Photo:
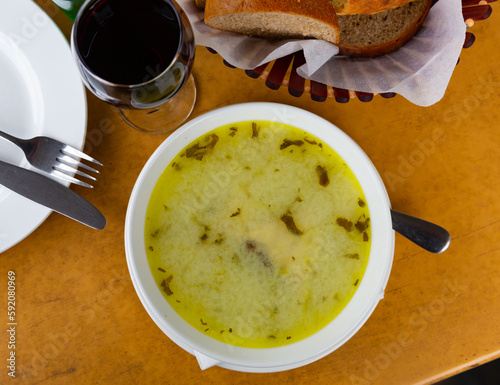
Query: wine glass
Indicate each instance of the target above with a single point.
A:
(138, 55)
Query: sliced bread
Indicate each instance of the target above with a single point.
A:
(383, 32)
(275, 19)
(350, 7)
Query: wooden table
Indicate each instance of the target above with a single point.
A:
(81, 322)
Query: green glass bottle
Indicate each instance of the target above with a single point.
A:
(69, 7)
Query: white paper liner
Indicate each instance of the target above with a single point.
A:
(204, 361)
(420, 71)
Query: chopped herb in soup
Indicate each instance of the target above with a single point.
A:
(252, 243)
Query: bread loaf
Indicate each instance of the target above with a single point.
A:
(360, 28)
(383, 32)
(281, 19)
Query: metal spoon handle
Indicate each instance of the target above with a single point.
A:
(427, 235)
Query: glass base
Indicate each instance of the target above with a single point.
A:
(166, 117)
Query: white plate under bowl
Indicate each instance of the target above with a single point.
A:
(41, 94)
(209, 351)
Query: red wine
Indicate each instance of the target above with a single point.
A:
(128, 41)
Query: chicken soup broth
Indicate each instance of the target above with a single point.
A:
(258, 234)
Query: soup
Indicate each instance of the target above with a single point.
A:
(258, 234)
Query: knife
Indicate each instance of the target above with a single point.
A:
(51, 194)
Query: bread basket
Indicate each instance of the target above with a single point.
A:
(282, 72)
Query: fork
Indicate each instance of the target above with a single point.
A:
(55, 158)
